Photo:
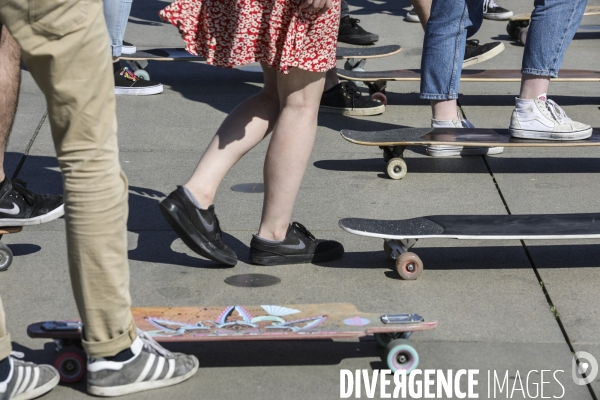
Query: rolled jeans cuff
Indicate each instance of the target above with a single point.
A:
(116, 50)
(431, 96)
(111, 347)
(5, 346)
(540, 72)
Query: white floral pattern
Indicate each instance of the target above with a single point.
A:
(236, 32)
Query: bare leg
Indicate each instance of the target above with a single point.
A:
(444, 109)
(290, 148)
(10, 80)
(532, 86)
(243, 129)
(423, 9)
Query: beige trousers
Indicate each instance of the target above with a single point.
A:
(65, 47)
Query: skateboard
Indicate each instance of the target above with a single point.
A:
(356, 57)
(261, 322)
(519, 24)
(393, 142)
(400, 235)
(376, 80)
(6, 255)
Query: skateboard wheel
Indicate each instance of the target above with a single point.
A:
(142, 74)
(383, 339)
(6, 257)
(396, 168)
(409, 266)
(514, 27)
(380, 97)
(400, 355)
(71, 364)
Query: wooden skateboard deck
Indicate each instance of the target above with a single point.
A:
(468, 75)
(393, 142)
(589, 10)
(261, 322)
(401, 235)
(6, 255)
(517, 24)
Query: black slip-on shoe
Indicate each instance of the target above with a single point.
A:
(298, 247)
(352, 33)
(199, 229)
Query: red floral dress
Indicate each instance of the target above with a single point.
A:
(237, 32)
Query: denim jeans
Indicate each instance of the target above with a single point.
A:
(553, 25)
(345, 9)
(116, 14)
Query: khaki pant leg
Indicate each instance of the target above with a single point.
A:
(65, 47)
(5, 346)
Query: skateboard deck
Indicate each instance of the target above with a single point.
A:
(6, 255)
(468, 75)
(518, 23)
(356, 56)
(260, 322)
(393, 142)
(401, 235)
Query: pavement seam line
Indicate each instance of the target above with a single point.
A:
(29, 145)
(553, 308)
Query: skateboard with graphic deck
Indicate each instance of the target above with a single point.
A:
(518, 25)
(400, 235)
(261, 322)
(356, 57)
(6, 255)
(393, 142)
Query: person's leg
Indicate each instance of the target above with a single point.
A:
(344, 9)
(116, 14)
(10, 80)
(349, 30)
(423, 10)
(5, 345)
(553, 25)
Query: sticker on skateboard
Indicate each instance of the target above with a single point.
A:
(356, 56)
(393, 142)
(6, 255)
(240, 322)
(400, 235)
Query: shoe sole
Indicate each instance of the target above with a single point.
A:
(331, 255)
(498, 17)
(353, 111)
(411, 18)
(185, 230)
(359, 40)
(42, 219)
(140, 91)
(140, 386)
(485, 56)
(540, 135)
(465, 151)
(37, 392)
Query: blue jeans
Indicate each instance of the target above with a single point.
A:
(116, 14)
(553, 25)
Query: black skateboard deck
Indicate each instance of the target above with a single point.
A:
(393, 142)
(401, 235)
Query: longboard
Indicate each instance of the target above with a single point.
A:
(518, 22)
(6, 255)
(241, 322)
(356, 56)
(393, 142)
(401, 235)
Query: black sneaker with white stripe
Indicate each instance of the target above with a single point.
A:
(19, 206)
(27, 380)
(491, 10)
(151, 367)
(126, 82)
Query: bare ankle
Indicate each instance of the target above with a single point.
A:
(277, 234)
(204, 197)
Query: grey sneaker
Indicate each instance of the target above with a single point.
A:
(151, 367)
(447, 151)
(27, 380)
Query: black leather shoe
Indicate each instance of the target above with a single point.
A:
(298, 247)
(199, 229)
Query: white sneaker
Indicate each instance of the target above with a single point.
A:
(541, 118)
(447, 151)
(128, 48)
(412, 15)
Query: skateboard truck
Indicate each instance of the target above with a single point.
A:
(401, 318)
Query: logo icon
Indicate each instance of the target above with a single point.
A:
(12, 211)
(584, 368)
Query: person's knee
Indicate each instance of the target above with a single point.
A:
(8, 45)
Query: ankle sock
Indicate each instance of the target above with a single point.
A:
(192, 197)
(4, 369)
(121, 356)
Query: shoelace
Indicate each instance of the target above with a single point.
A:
(557, 112)
(352, 90)
(354, 22)
(487, 4)
(127, 74)
(303, 229)
(151, 344)
(21, 187)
